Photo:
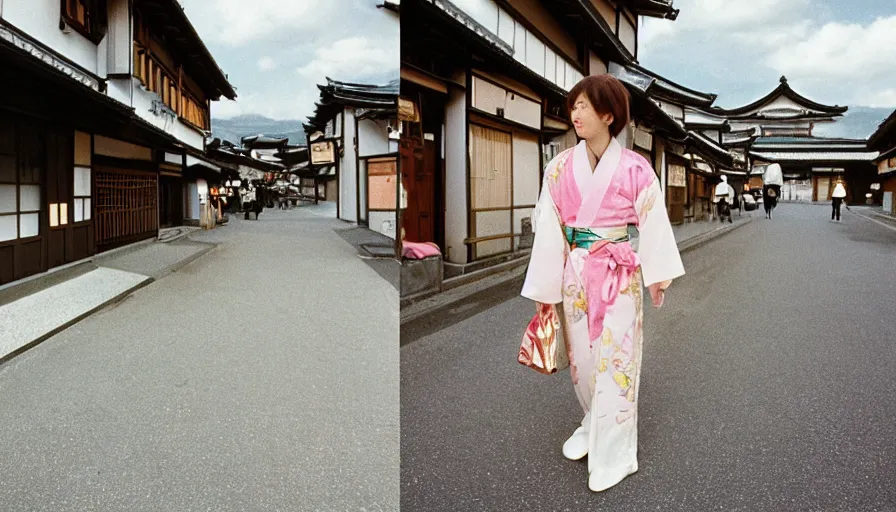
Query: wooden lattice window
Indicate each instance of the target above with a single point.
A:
(126, 205)
(194, 112)
(165, 82)
(88, 17)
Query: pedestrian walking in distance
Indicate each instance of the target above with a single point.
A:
(773, 179)
(582, 258)
(724, 198)
(838, 197)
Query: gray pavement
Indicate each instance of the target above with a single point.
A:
(262, 376)
(768, 385)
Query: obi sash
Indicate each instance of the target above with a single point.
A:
(609, 267)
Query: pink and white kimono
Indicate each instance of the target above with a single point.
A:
(600, 288)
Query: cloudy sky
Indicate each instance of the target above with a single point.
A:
(276, 51)
(833, 51)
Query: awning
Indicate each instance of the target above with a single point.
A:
(194, 161)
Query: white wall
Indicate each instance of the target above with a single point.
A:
(627, 33)
(783, 102)
(672, 109)
(374, 138)
(348, 184)
(526, 168)
(40, 20)
(456, 155)
(383, 222)
(528, 48)
(143, 101)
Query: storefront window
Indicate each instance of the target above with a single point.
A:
(20, 178)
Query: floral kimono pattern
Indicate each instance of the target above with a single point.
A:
(600, 287)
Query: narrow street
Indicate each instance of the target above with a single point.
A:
(262, 376)
(767, 384)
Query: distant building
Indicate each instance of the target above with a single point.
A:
(883, 140)
(353, 136)
(784, 120)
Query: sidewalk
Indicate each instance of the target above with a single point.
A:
(875, 214)
(38, 308)
(688, 235)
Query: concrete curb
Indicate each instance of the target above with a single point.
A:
(112, 301)
(703, 238)
(445, 301)
(879, 218)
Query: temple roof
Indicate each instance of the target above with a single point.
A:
(810, 143)
(581, 17)
(710, 149)
(639, 84)
(336, 95)
(392, 5)
(885, 135)
(656, 86)
(652, 8)
(783, 90)
(263, 141)
(814, 156)
(669, 90)
(802, 149)
(739, 137)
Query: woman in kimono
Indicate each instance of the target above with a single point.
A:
(582, 258)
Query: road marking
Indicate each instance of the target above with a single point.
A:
(882, 223)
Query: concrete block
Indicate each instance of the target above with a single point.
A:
(421, 276)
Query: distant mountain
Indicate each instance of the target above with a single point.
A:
(243, 126)
(856, 123)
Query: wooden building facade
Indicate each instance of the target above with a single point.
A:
(83, 168)
(883, 140)
(353, 137)
(484, 88)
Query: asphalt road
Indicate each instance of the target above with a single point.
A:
(263, 376)
(768, 384)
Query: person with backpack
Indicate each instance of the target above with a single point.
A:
(772, 179)
(724, 198)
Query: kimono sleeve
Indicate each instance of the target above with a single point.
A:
(544, 277)
(657, 249)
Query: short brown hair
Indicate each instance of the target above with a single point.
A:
(607, 95)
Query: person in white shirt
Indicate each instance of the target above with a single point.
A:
(838, 196)
(723, 198)
(772, 179)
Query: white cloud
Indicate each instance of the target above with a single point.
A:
(885, 98)
(267, 64)
(356, 56)
(277, 51)
(233, 23)
(225, 109)
(740, 43)
(841, 51)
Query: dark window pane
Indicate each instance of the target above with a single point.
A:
(7, 169)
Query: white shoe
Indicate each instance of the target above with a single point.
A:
(596, 485)
(576, 447)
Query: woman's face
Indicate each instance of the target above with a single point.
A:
(587, 121)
